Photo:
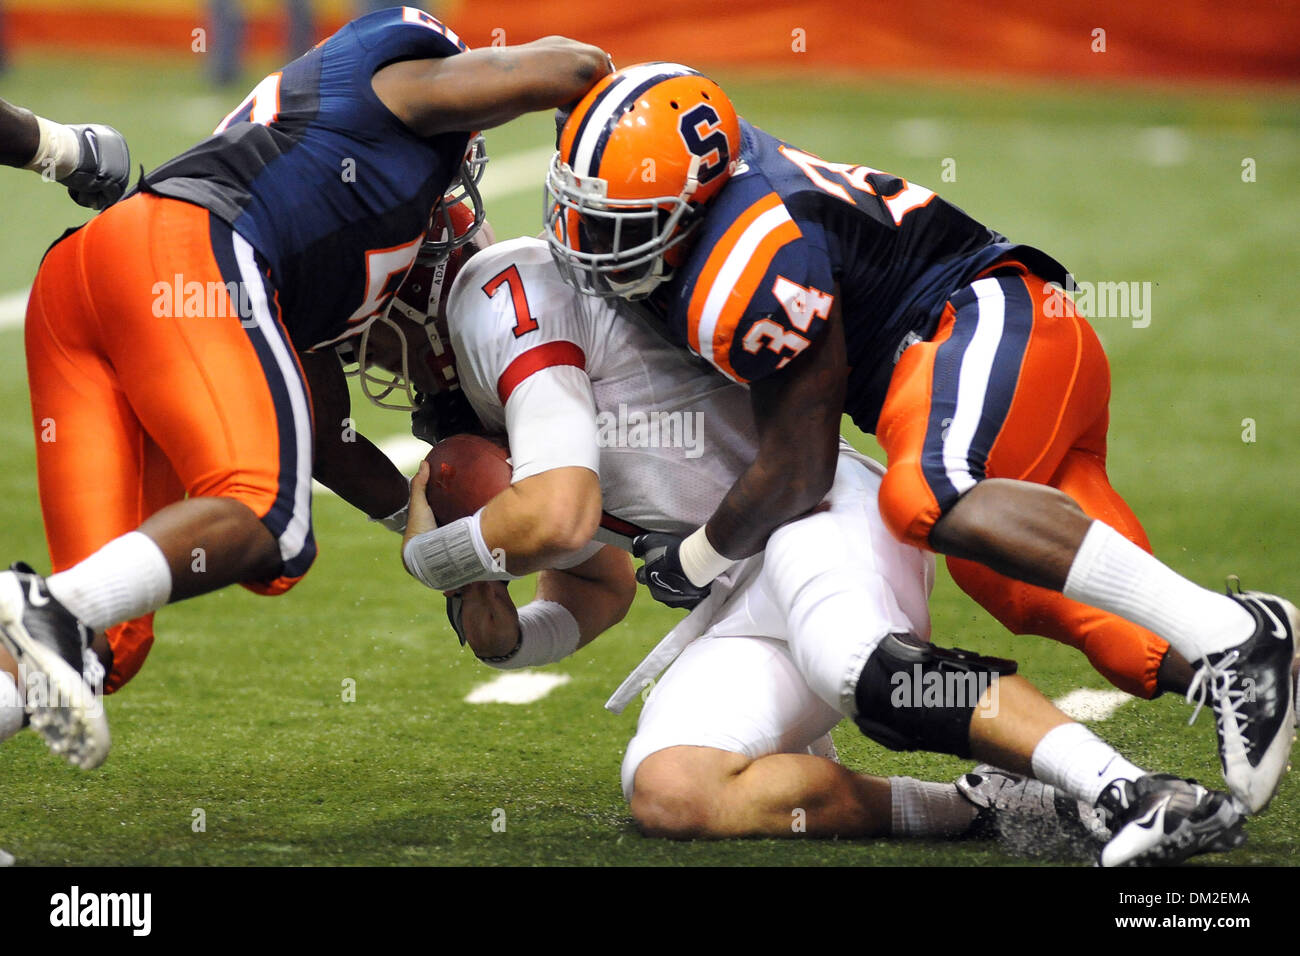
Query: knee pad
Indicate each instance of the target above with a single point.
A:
(912, 695)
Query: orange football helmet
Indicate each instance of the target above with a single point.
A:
(638, 158)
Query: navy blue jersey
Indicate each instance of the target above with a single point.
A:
(332, 190)
(787, 230)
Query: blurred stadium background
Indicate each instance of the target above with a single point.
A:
(1152, 142)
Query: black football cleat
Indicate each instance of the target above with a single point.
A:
(1253, 695)
(1030, 818)
(60, 673)
(1160, 820)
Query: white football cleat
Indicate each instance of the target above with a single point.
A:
(61, 675)
(1253, 695)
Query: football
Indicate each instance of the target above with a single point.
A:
(465, 473)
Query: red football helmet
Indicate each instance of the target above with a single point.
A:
(447, 232)
(404, 357)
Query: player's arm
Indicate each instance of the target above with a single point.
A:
(537, 520)
(531, 523)
(91, 160)
(550, 510)
(487, 87)
(572, 608)
(521, 362)
(346, 462)
(20, 135)
(797, 411)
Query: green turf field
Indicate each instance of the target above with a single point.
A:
(240, 711)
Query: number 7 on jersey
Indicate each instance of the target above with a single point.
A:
(524, 321)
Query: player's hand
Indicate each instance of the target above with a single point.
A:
(484, 616)
(104, 172)
(419, 516)
(662, 572)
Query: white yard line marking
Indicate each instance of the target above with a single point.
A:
(523, 687)
(507, 176)
(1086, 704)
(12, 309)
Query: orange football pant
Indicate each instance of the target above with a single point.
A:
(1014, 384)
(150, 382)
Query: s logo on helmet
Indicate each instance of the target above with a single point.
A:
(701, 131)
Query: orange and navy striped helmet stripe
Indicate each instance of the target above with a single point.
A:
(594, 118)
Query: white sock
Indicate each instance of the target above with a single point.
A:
(58, 150)
(1112, 573)
(124, 579)
(920, 808)
(11, 706)
(1075, 760)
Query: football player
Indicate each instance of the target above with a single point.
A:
(615, 434)
(91, 160)
(173, 420)
(830, 288)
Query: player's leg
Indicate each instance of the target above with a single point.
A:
(975, 423)
(1130, 657)
(222, 397)
(721, 750)
(123, 647)
(836, 582)
(1023, 730)
(72, 533)
(89, 470)
(914, 696)
(843, 586)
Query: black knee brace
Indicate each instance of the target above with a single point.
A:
(912, 695)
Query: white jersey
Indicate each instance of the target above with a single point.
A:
(773, 653)
(577, 381)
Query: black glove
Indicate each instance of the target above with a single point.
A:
(662, 572)
(455, 604)
(104, 172)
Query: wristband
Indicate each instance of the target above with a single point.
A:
(548, 632)
(397, 520)
(59, 149)
(453, 556)
(701, 563)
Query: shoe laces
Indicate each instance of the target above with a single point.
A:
(1218, 681)
(92, 669)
